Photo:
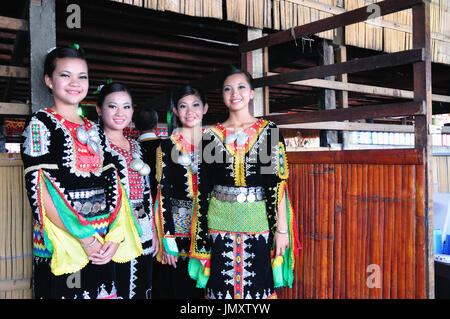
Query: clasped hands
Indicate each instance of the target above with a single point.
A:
(99, 254)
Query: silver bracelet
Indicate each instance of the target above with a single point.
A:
(91, 243)
(282, 231)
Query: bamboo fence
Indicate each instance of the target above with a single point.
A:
(361, 222)
(15, 231)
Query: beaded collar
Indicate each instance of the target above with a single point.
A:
(85, 161)
(182, 144)
(72, 127)
(134, 179)
(251, 132)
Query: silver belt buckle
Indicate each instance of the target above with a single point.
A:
(251, 198)
(241, 198)
(182, 211)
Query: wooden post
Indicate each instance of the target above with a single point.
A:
(328, 97)
(42, 38)
(341, 56)
(42, 28)
(422, 93)
(253, 63)
(266, 89)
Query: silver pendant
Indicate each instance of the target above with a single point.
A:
(82, 135)
(137, 164)
(89, 138)
(194, 168)
(251, 198)
(145, 170)
(184, 159)
(92, 147)
(241, 139)
(230, 139)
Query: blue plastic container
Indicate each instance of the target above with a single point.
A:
(437, 235)
(446, 249)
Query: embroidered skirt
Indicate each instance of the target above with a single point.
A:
(240, 251)
(91, 282)
(134, 278)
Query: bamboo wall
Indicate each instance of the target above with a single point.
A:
(15, 231)
(198, 8)
(391, 33)
(359, 212)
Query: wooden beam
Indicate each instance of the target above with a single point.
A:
(351, 126)
(356, 65)
(366, 89)
(393, 157)
(13, 24)
(17, 56)
(14, 108)
(177, 43)
(14, 71)
(343, 19)
(149, 53)
(393, 25)
(354, 113)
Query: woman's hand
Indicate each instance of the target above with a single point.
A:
(92, 249)
(281, 243)
(169, 259)
(155, 243)
(104, 254)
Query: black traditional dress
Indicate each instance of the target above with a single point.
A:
(173, 215)
(242, 179)
(82, 180)
(134, 278)
(150, 142)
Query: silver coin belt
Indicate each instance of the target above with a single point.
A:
(239, 194)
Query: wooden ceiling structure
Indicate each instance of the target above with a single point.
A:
(154, 51)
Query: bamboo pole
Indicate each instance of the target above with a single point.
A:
(381, 225)
(337, 255)
(398, 235)
(371, 223)
(359, 271)
(330, 229)
(3, 226)
(388, 229)
(344, 250)
(310, 233)
(350, 231)
(421, 229)
(410, 251)
(317, 224)
(323, 230)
